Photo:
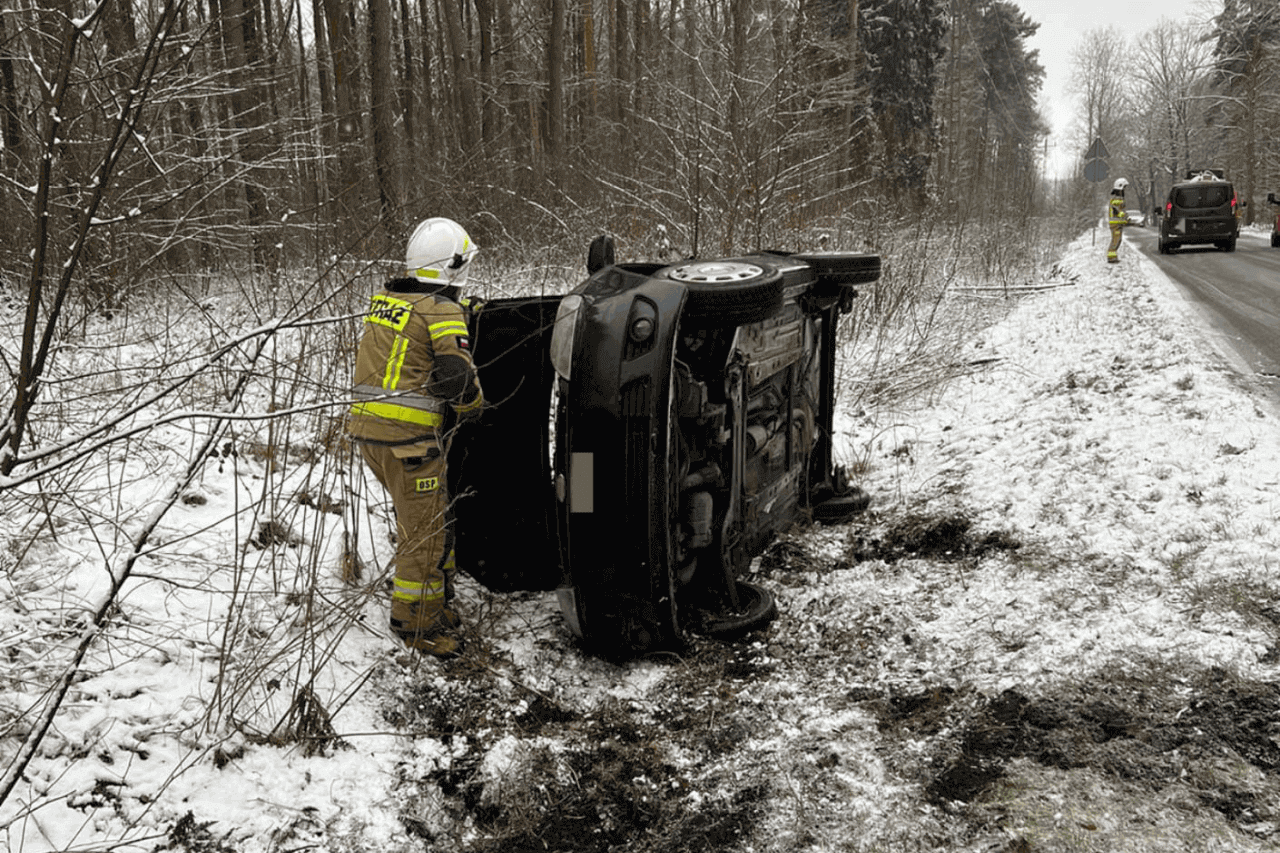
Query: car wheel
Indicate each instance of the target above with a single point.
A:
(846, 268)
(729, 293)
(1275, 241)
(1229, 245)
(838, 275)
(757, 609)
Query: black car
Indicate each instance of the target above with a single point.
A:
(1201, 209)
(650, 433)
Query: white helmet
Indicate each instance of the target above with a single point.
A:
(1120, 184)
(439, 250)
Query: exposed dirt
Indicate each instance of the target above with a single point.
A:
(584, 782)
(938, 537)
(1210, 734)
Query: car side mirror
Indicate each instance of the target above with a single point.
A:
(1271, 198)
(600, 254)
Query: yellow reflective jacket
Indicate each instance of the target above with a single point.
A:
(413, 365)
(1115, 212)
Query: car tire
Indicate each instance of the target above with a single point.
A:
(1229, 245)
(1275, 241)
(845, 268)
(729, 293)
(758, 609)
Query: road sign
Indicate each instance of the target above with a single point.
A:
(1097, 151)
(1095, 170)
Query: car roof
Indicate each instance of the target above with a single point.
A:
(1201, 183)
(1205, 177)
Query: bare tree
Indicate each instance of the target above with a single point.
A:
(1098, 81)
(1171, 73)
(250, 98)
(1247, 35)
(555, 81)
(47, 287)
(382, 91)
(345, 58)
(10, 121)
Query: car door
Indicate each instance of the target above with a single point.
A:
(500, 466)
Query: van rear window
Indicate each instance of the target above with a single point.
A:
(1208, 196)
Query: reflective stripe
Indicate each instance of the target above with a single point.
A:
(410, 591)
(373, 394)
(395, 361)
(462, 409)
(425, 273)
(447, 327)
(395, 412)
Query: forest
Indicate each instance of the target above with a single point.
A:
(182, 136)
(197, 135)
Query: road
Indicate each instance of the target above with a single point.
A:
(1238, 294)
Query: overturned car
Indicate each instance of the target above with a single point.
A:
(648, 435)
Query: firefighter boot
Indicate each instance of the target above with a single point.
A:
(424, 631)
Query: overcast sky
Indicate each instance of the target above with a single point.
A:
(1063, 24)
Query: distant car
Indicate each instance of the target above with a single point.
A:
(1136, 217)
(650, 433)
(1201, 209)
(1275, 221)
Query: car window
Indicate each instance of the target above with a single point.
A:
(1206, 196)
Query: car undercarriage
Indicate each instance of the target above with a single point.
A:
(650, 434)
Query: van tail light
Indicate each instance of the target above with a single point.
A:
(1168, 207)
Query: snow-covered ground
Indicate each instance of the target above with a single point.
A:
(1057, 630)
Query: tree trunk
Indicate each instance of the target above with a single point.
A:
(9, 116)
(427, 83)
(488, 112)
(463, 82)
(510, 95)
(622, 70)
(738, 14)
(408, 87)
(339, 17)
(587, 38)
(242, 36)
(555, 83)
(382, 106)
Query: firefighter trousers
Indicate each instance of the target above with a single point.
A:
(1113, 255)
(422, 584)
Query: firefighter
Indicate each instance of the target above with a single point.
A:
(414, 378)
(1117, 219)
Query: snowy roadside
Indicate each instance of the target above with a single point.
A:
(1094, 518)
(1108, 436)
(1058, 629)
